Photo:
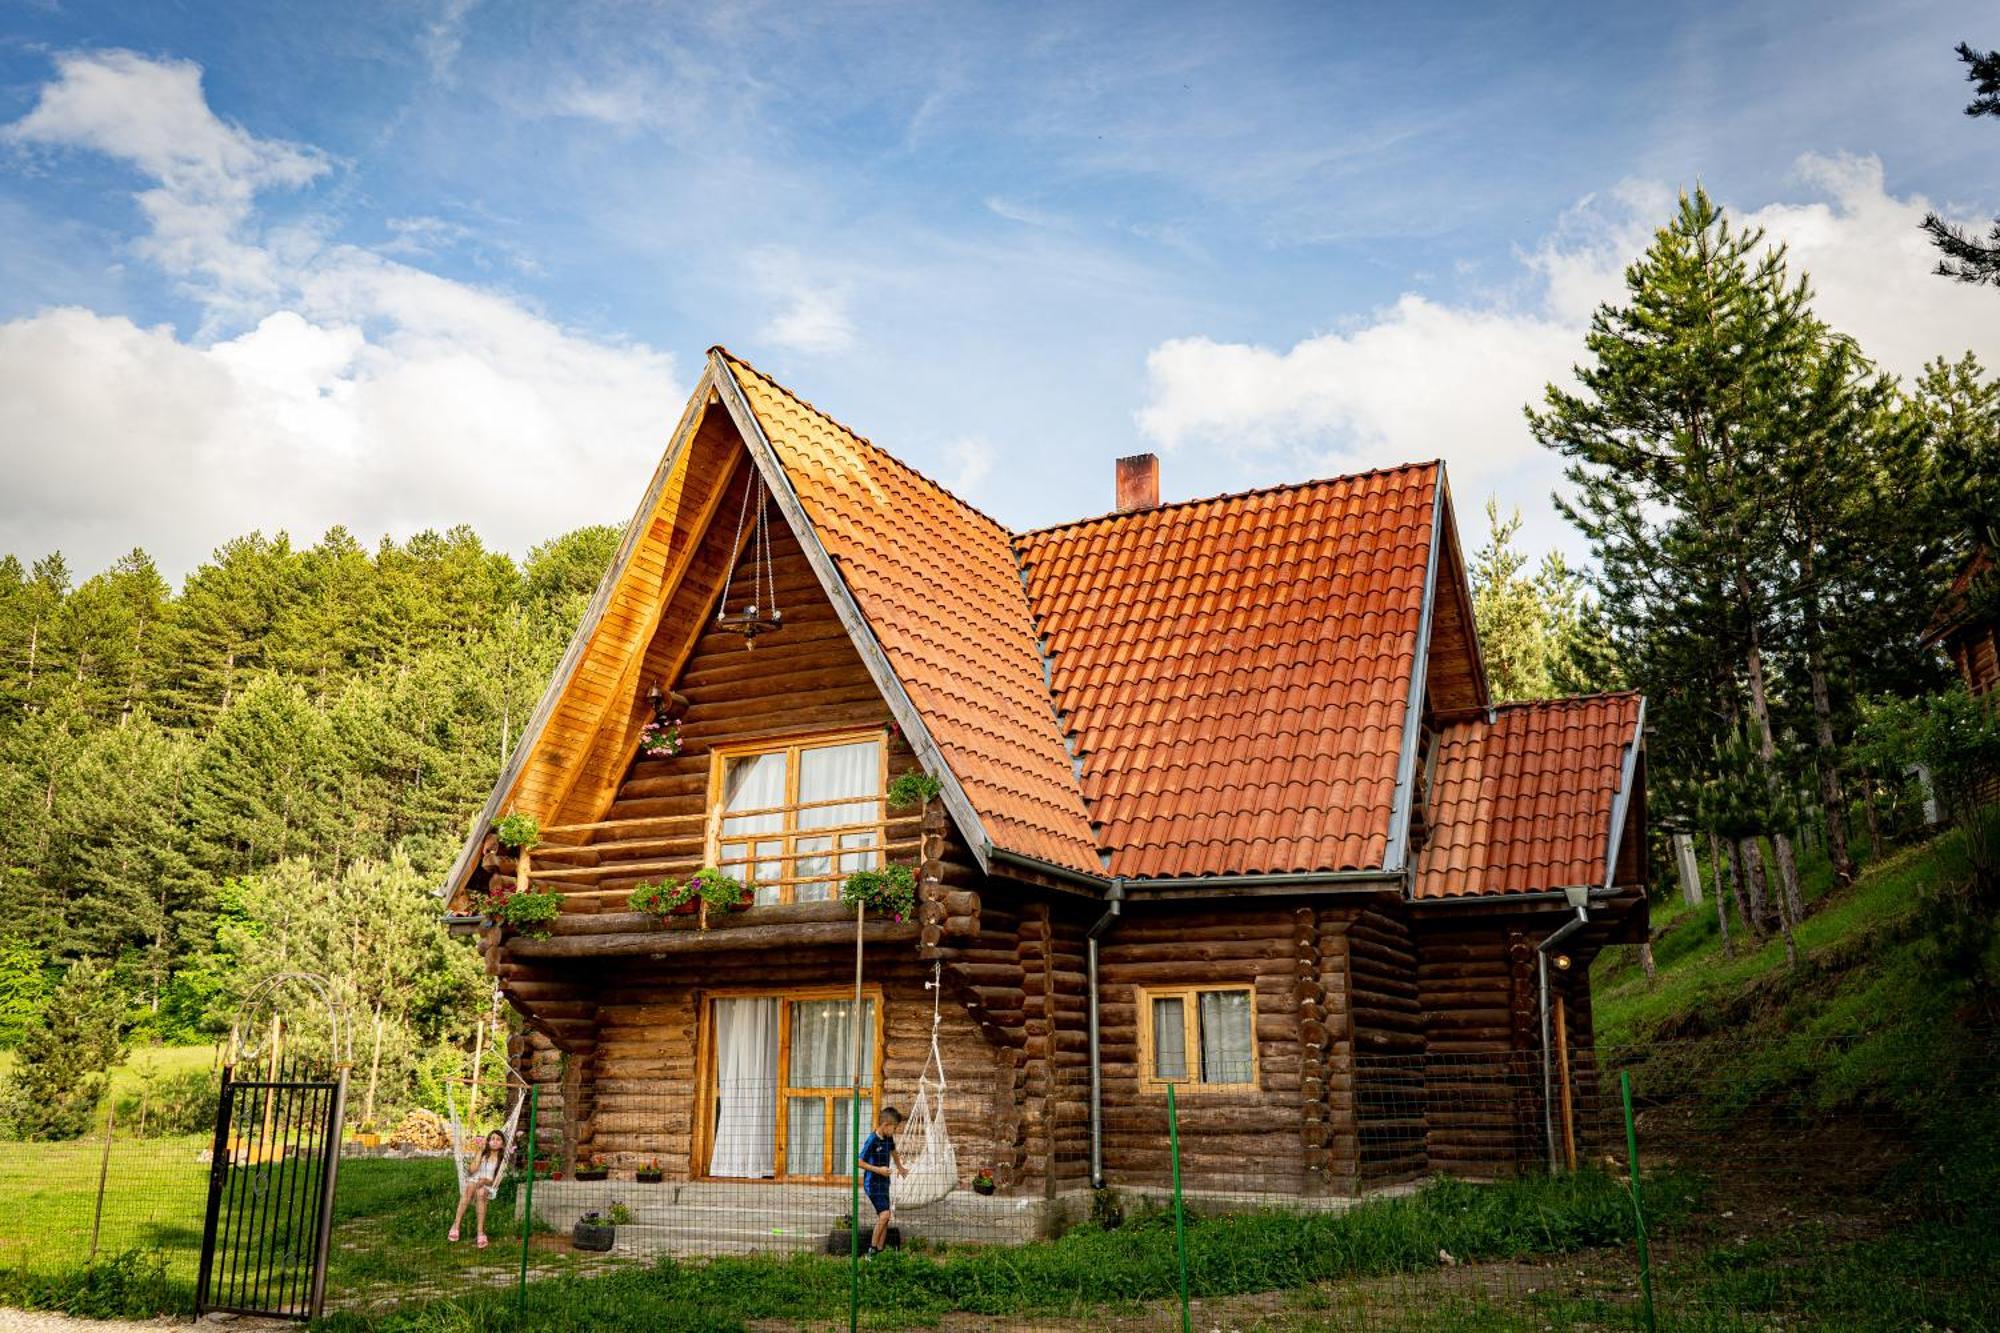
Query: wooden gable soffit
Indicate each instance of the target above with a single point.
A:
(508, 789)
(1461, 595)
(852, 618)
(1396, 857)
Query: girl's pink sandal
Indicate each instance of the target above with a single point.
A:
(482, 1242)
(451, 1234)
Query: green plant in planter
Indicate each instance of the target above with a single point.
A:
(530, 912)
(519, 832)
(915, 787)
(891, 891)
(718, 890)
(662, 898)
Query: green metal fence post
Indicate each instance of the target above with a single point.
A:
(1180, 1217)
(528, 1202)
(1638, 1210)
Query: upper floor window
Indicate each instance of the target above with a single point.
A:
(792, 819)
(1205, 1038)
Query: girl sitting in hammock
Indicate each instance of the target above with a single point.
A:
(480, 1184)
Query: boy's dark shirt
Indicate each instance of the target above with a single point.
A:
(876, 1151)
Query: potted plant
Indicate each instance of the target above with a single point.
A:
(519, 832)
(720, 892)
(664, 898)
(597, 1170)
(890, 891)
(915, 787)
(367, 1136)
(661, 739)
(650, 1173)
(983, 1182)
(528, 913)
(840, 1240)
(592, 1232)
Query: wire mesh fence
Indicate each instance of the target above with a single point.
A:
(1822, 1183)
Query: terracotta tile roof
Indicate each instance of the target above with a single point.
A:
(1234, 671)
(938, 583)
(1522, 801)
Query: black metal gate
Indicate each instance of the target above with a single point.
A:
(270, 1196)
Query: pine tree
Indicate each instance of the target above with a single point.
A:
(1672, 442)
(64, 1059)
(1964, 258)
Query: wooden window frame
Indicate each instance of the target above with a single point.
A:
(1190, 998)
(704, 1109)
(789, 855)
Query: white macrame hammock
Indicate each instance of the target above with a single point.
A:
(933, 1172)
(507, 1130)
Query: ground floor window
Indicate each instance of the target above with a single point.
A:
(1204, 1036)
(777, 1094)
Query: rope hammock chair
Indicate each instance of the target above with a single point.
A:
(933, 1171)
(508, 1130)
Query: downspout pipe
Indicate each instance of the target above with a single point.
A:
(1114, 903)
(1579, 899)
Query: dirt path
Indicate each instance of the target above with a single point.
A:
(40, 1321)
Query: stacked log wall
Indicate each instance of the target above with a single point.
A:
(1391, 1044)
(1248, 1140)
(1474, 1026)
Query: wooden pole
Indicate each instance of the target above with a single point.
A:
(374, 1073)
(854, 1146)
(472, 1097)
(1562, 1072)
(103, 1172)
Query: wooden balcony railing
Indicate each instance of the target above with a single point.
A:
(786, 864)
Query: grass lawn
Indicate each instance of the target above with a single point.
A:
(164, 1060)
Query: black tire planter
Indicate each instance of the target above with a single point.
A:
(982, 1189)
(839, 1241)
(650, 1177)
(593, 1175)
(588, 1234)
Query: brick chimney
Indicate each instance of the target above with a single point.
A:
(1138, 482)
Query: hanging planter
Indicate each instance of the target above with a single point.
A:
(758, 613)
(915, 787)
(890, 891)
(665, 898)
(720, 892)
(519, 832)
(660, 740)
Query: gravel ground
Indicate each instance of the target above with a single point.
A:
(26, 1321)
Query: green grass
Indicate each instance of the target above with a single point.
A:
(1087, 1270)
(164, 1060)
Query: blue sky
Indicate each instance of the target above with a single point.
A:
(399, 265)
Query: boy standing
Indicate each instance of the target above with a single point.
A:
(878, 1155)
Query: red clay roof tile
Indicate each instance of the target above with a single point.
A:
(1522, 801)
(1212, 656)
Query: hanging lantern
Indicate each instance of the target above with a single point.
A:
(758, 613)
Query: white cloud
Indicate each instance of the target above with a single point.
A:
(339, 385)
(444, 38)
(971, 463)
(812, 314)
(1422, 379)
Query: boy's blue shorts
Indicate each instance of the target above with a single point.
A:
(877, 1191)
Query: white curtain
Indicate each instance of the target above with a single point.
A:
(746, 1088)
(823, 1057)
(1169, 1040)
(827, 774)
(1225, 1036)
(754, 782)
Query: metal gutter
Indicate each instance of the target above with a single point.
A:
(1563, 895)
(1580, 898)
(1396, 856)
(849, 611)
(1114, 901)
(1195, 886)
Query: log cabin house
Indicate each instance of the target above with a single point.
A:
(1966, 625)
(1223, 802)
